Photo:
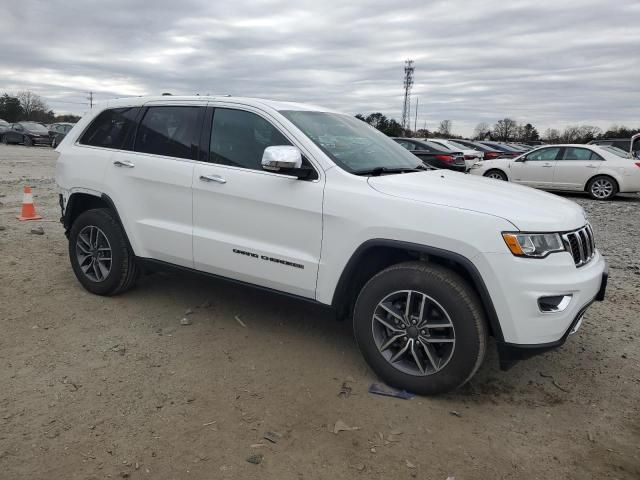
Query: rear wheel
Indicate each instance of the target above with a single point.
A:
(602, 188)
(420, 327)
(54, 143)
(496, 174)
(99, 253)
(5, 140)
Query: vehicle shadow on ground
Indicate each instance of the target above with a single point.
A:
(315, 328)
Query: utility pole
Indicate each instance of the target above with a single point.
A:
(415, 122)
(90, 98)
(408, 83)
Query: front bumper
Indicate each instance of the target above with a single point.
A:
(510, 353)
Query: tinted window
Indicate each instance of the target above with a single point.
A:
(544, 154)
(239, 138)
(169, 131)
(572, 153)
(407, 145)
(111, 128)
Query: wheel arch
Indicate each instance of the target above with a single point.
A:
(606, 173)
(498, 169)
(80, 202)
(377, 254)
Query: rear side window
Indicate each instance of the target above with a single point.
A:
(170, 131)
(239, 138)
(111, 128)
(572, 153)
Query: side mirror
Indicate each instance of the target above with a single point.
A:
(522, 159)
(281, 157)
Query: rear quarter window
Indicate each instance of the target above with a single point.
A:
(112, 128)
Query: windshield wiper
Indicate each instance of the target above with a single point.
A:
(374, 172)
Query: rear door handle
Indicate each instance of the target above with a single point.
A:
(212, 178)
(124, 163)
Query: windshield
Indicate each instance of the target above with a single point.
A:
(34, 127)
(352, 144)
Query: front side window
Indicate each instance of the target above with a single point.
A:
(572, 153)
(169, 131)
(238, 138)
(111, 128)
(350, 143)
(544, 155)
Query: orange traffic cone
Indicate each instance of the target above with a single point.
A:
(28, 209)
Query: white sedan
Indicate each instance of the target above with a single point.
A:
(600, 171)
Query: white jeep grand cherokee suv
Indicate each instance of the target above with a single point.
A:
(316, 204)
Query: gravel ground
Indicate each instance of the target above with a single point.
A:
(96, 387)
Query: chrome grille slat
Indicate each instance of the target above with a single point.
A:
(581, 245)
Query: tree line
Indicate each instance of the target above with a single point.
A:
(504, 130)
(27, 106)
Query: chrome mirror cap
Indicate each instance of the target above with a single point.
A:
(281, 156)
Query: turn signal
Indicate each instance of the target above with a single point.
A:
(512, 243)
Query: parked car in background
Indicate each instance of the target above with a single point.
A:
(506, 150)
(488, 152)
(471, 156)
(4, 126)
(27, 133)
(57, 131)
(621, 143)
(433, 154)
(602, 172)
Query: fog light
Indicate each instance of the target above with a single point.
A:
(554, 304)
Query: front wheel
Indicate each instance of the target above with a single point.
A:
(602, 188)
(99, 253)
(5, 140)
(27, 141)
(420, 327)
(54, 143)
(496, 174)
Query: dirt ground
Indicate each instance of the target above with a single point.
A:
(94, 387)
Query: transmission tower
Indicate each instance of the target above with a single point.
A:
(408, 83)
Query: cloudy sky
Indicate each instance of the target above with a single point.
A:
(551, 63)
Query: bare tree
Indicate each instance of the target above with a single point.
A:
(552, 135)
(445, 128)
(31, 104)
(505, 129)
(482, 131)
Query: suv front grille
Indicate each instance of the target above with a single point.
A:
(581, 244)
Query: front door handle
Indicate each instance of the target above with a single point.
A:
(547, 165)
(592, 166)
(212, 178)
(124, 163)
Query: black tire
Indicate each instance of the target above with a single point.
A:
(123, 271)
(26, 140)
(449, 291)
(5, 140)
(53, 143)
(496, 174)
(602, 187)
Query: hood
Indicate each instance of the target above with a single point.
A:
(526, 208)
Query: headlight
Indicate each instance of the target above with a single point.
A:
(536, 245)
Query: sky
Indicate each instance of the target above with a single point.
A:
(550, 63)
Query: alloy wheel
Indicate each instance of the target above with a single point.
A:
(93, 253)
(602, 188)
(413, 332)
(495, 175)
